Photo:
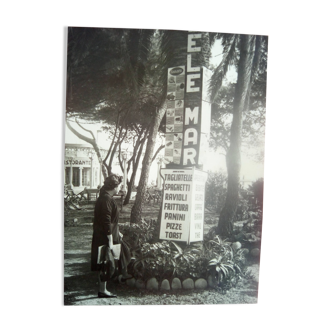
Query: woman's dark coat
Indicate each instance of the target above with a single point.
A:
(106, 222)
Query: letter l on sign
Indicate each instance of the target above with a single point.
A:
(189, 68)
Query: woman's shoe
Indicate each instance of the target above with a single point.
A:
(103, 295)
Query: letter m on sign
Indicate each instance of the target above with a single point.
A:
(191, 115)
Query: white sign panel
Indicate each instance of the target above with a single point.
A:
(176, 204)
(197, 210)
(183, 205)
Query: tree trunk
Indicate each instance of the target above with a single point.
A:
(110, 162)
(141, 190)
(233, 156)
(135, 158)
(134, 172)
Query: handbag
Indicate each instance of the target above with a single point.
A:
(107, 263)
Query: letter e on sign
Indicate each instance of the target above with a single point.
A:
(191, 84)
(192, 44)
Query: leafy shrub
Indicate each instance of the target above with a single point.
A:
(225, 264)
(215, 191)
(189, 262)
(210, 221)
(248, 274)
(154, 260)
(242, 211)
(257, 189)
(240, 260)
(147, 231)
(168, 259)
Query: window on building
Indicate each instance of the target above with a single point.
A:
(86, 176)
(67, 175)
(76, 176)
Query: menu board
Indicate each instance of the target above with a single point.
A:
(183, 205)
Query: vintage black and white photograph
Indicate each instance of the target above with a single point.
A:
(163, 166)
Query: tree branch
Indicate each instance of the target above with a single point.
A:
(90, 141)
(140, 147)
(82, 137)
(111, 146)
(155, 155)
(119, 158)
(89, 131)
(135, 148)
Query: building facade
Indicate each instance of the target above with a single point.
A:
(81, 166)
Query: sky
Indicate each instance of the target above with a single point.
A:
(250, 170)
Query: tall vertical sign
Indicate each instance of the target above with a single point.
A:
(188, 111)
(188, 118)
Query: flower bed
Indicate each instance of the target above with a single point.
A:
(163, 265)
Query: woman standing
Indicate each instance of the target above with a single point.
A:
(106, 223)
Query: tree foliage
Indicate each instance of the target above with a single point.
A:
(215, 191)
(253, 126)
(119, 77)
(257, 188)
(248, 53)
(105, 72)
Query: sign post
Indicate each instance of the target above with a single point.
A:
(188, 118)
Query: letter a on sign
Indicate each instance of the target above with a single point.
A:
(192, 138)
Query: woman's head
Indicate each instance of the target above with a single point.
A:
(112, 182)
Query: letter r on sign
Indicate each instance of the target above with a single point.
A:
(189, 154)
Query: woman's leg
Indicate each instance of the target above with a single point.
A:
(124, 273)
(123, 262)
(102, 286)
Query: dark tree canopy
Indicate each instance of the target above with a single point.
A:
(119, 77)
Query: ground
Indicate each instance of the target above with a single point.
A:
(81, 287)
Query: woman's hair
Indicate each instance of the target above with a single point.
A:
(112, 181)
